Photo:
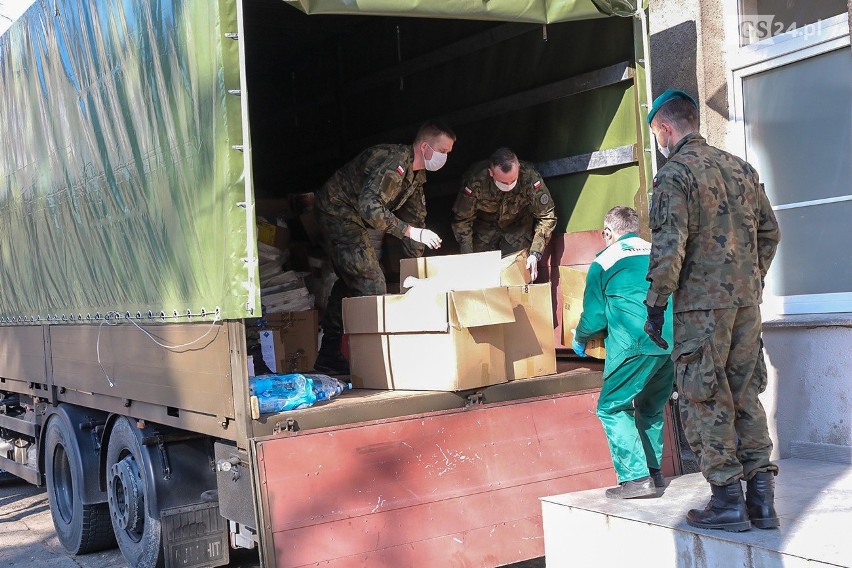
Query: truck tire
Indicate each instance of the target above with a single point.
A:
(81, 528)
(139, 535)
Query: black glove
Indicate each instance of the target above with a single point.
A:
(654, 325)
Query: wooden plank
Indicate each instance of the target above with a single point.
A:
(586, 162)
(472, 44)
(564, 88)
(421, 471)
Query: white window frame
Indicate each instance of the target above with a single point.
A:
(772, 53)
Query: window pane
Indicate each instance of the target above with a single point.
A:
(762, 19)
(798, 125)
(814, 256)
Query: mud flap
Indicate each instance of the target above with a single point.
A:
(195, 536)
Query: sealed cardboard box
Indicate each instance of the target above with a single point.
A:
(572, 282)
(454, 272)
(513, 270)
(427, 340)
(530, 343)
(289, 344)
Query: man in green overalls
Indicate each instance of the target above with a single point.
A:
(638, 374)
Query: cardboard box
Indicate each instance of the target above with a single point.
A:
(530, 343)
(454, 272)
(273, 235)
(514, 271)
(572, 282)
(289, 343)
(424, 340)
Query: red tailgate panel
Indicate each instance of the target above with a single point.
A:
(440, 489)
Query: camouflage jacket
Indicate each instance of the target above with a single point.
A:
(480, 202)
(714, 232)
(380, 187)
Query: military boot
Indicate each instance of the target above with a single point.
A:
(726, 510)
(329, 359)
(760, 500)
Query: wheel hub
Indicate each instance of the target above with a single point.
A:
(126, 496)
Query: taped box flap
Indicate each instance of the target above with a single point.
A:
(454, 272)
(396, 313)
(475, 308)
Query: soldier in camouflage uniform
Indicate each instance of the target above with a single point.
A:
(382, 188)
(714, 236)
(504, 205)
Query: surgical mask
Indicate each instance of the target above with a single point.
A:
(664, 150)
(436, 162)
(505, 186)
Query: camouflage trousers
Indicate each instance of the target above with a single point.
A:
(719, 372)
(487, 236)
(347, 244)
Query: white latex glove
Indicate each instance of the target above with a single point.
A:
(426, 237)
(532, 266)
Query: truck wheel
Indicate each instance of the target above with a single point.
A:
(138, 534)
(81, 528)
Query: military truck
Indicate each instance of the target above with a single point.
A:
(140, 136)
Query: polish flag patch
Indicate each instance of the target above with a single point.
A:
(468, 191)
(400, 170)
(537, 184)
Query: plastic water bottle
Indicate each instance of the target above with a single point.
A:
(277, 393)
(326, 388)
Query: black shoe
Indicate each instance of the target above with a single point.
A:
(760, 500)
(657, 476)
(726, 510)
(635, 489)
(331, 363)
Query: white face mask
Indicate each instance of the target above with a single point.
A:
(664, 150)
(436, 162)
(505, 186)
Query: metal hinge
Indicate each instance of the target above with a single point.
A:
(289, 426)
(474, 399)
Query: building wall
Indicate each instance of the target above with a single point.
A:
(809, 396)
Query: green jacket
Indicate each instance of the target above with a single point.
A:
(613, 303)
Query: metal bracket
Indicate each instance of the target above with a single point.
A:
(474, 399)
(289, 426)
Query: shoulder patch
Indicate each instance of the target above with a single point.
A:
(656, 181)
(537, 185)
(544, 199)
(468, 191)
(400, 170)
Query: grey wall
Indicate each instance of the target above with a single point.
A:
(687, 52)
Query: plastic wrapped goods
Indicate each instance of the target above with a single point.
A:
(277, 393)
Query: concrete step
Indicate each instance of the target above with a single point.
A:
(813, 499)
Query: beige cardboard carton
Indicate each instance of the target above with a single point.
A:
(530, 344)
(572, 283)
(424, 340)
(289, 344)
(513, 269)
(454, 272)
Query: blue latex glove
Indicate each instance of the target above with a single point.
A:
(579, 348)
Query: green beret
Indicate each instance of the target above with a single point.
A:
(666, 97)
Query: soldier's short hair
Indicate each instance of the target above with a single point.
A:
(431, 129)
(682, 113)
(622, 220)
(504, 159)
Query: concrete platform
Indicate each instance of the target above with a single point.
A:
(813, 499)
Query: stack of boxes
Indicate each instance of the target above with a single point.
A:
(466, 321)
